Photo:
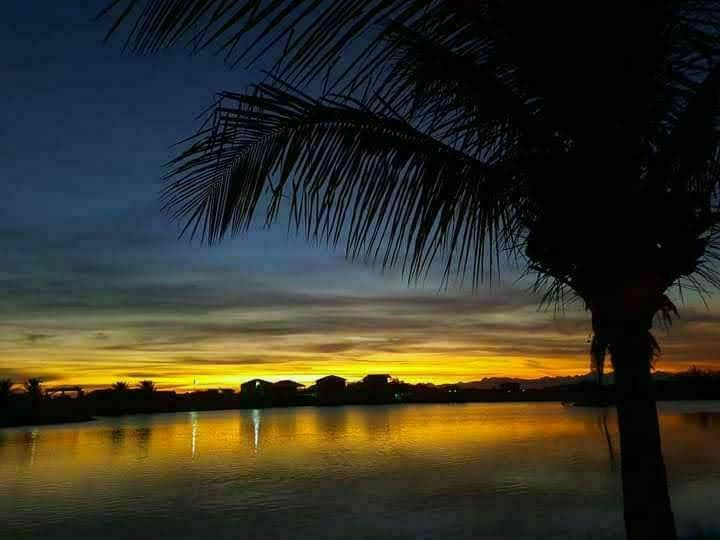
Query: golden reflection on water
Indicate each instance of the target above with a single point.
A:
(451, 467)
(304, 437)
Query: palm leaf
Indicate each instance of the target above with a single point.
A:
(494, 90)
(314, 31)
(392, 192)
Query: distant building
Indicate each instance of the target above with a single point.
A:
(330, 389)
(330, 384)
(74, 391)
(376, 381)
(285, 390)
(376, 388)
(255, 388)
(287, 384)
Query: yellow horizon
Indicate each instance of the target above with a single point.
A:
(211, 376)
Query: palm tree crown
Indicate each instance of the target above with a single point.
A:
(147, 386)
(464, 128)
(120, 386)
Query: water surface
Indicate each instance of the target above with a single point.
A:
(455, 471)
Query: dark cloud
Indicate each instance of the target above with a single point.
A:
(195, 360)
(535, 364)
(34, 337)
(141, 375)
(332, 347)
(20, 374)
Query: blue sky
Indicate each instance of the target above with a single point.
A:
(97, 286)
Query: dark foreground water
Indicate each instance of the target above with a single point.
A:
(397, 472)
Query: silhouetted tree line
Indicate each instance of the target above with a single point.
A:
(31, 403)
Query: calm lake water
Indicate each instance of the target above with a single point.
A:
(415, 472)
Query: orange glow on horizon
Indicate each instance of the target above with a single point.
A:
(445, 344)
(409, 368)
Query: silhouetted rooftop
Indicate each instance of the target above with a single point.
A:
(330, 378)
(252, 381)
(376, 377)
(287, 384)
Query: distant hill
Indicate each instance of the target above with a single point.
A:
(489, 383)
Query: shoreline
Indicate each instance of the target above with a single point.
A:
(47, 422)
(80, 419)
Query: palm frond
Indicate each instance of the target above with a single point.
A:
(392, 192)
(686, 155)
(313, 32)
(464, 97)
(455, 127)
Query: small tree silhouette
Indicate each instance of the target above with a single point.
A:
(147, 386)
(120, 386)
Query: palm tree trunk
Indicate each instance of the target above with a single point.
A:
(648, 514)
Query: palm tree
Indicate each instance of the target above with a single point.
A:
(120, 386)
(5, 391)
(453, 131)
(147, 387)
(33, 388)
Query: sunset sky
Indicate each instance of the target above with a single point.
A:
(96, 286)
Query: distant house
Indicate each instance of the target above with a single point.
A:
(287, 384)
(255, 388)
(376, 381)
(376, 388)
(330, 384)
(285, 390)
(330, 389)
(74, 391)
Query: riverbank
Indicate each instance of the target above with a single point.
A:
(56, 413)
(11, 421)
(72, 404)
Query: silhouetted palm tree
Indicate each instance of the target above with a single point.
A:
(146, 386)
(120, 386)
(33, 387)
(5, 390)
(581, 138)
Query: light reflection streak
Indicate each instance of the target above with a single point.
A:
(194, 423)
(33, 445)
(256, 427)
